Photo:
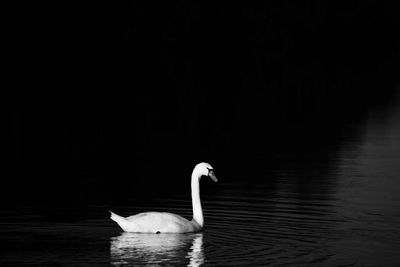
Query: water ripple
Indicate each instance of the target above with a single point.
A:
(250, 231)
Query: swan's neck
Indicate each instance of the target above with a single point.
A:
(197, 210)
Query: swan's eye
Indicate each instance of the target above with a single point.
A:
(209, 170)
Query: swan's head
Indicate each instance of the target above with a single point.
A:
(206, 170)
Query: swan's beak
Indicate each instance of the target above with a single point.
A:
(212, 175)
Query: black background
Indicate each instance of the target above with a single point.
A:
(107, 98)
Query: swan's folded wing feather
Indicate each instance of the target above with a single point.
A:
(159, 221)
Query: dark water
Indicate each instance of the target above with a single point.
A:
(345, 213)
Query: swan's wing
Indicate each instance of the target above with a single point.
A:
(165, 216)
(159, 221)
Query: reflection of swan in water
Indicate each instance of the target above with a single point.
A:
(165, 222)
(196, 254)
(171, 249)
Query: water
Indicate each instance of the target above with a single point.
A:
(345, 212)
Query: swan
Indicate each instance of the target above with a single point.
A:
(165, 222)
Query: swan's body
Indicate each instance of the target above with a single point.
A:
(165, 222)
(156, 222)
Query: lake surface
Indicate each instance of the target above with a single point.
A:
(345, 212)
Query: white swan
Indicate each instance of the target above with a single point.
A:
(165, 222)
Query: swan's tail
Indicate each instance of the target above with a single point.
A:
(122, 222)
(116, 218)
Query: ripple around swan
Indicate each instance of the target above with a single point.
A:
(245, 232)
